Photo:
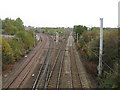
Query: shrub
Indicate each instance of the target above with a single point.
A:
(89, 43)
(79, 29)
(110, 48)
(110, 81)
(17, 47)
(26, 38)
(7, 53)
(91, 68)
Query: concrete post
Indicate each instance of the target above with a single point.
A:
(101, 47)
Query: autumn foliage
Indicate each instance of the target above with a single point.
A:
(14, 48)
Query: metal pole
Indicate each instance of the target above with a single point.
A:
(56, 36)
(101, 48)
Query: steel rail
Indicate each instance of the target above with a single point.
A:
(50, 75)
(7, 86)
(37, 81)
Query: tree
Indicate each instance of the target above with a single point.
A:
(8, 27)
(19, 24)
(11, 27)
(80, 29)
(26, 38)
(7, 53)
(17, 47)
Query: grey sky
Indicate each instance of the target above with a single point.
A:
(58, 13)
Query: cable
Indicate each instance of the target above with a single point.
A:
(98, 57)
(108, 66)
(90, 49)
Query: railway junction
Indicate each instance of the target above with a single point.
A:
(50, 65)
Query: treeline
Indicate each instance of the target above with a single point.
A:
(11, 26)
(14, 48)
(89, 46)
(52, 31)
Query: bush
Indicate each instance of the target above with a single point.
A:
(91, 68)
(11, 27)
(110, 81)
(79, 29)
(89, 43)
(26, 38)
(17, 47)
(7, 53)
(110, 54)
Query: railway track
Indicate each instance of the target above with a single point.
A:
(81, 72)
(39, 82)
(66, 77)
(78, 73)
(73, 73)
(59, 67)
(85, 82)
(37, 63)
(18, 77)
(55, 73)
(52, 69)
(76, 82)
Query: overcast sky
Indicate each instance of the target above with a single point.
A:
(61, 13)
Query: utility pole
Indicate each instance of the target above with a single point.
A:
(56, 36)
(101, 48)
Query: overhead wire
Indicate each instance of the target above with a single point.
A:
(98, 57)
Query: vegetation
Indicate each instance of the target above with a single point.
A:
(7, 53)
(89, 44)
(11, 27)
(16, 47)
(110, 81)
(79, 29)
(26, 38)
(52, 31)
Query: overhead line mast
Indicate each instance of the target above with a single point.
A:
(101, 48)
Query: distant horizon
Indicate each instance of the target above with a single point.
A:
(54, 26)
(57, 26)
